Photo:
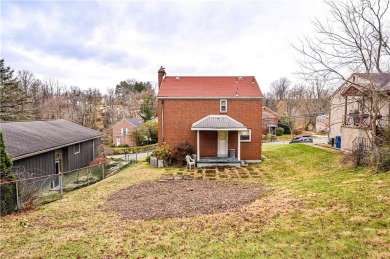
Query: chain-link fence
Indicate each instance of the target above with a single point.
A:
(29, 190)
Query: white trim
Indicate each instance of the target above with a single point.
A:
(220, 129)
(238, 146)
(220, 105)
(197, 146)
(250, 136)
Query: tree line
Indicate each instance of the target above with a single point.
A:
(24, 97)
(298, 105)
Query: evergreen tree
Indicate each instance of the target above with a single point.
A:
(14, 101)
(7, 190)
(148, 107)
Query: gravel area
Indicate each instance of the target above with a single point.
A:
(181, 196)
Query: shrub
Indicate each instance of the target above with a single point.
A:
(7, 191)
(279, 131)
(100, 160)
(123, 145)
(180, 152)
(147, 159)
(264, 138)
(163, 152)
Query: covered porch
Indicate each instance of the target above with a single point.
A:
(218, 141)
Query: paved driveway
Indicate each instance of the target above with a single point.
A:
(319, 140)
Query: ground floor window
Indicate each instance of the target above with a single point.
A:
(246, 135)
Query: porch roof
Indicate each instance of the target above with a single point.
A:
(218, 122)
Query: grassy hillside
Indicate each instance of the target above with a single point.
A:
(315, 206)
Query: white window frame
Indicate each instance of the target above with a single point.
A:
(242, 134)
(220, 105)
(124, 130)
(75, 150)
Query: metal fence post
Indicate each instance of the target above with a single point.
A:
(61, 187)
(17, 197)
(103, 169)
(88, 176)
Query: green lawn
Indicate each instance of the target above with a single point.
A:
(315, 206)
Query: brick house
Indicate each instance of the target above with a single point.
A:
(122, 132)
(322, 123)
(270, 121)
(221, 116)
(352, 113)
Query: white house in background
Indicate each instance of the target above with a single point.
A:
(351, 112)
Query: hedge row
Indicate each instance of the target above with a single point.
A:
(132, 150)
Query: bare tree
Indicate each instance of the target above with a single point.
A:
(355, 38)
(280, 87)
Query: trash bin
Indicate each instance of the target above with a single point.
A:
(338, 141)
(232, 153)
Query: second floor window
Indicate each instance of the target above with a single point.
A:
(223, 106)
(124, 130)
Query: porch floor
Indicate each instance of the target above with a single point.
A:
(218, 161)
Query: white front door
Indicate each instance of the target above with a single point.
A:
(118, 141)
(223, 143)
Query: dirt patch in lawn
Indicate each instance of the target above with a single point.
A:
(181, 197)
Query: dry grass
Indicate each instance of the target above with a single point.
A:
(313, 207)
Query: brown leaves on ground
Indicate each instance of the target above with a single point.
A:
(182, 198)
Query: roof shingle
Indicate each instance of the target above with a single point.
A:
(217, 122)
(29, 137)
(209, 86)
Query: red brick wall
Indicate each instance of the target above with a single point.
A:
(124, 138)
(180, 114)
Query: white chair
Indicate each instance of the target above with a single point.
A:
(190, 162)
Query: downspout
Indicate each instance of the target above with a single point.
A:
(162, 120)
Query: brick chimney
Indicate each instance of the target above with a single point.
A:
(161, 75)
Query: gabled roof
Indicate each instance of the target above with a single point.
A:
(27, 138)
(380, 80)
(268, 110)
(209, 87)
(135, 122)
(217, 122)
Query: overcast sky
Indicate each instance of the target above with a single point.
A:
(98, 44)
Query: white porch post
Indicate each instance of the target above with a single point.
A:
(197, 146)
(239, 146)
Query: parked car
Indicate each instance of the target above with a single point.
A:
(302, 139)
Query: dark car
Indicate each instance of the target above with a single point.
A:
(302, 139)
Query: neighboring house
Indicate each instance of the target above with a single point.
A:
(49, 147)
(351, 109)
(122, 132)
(221, 116)
(322, 123)
(270, 121)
